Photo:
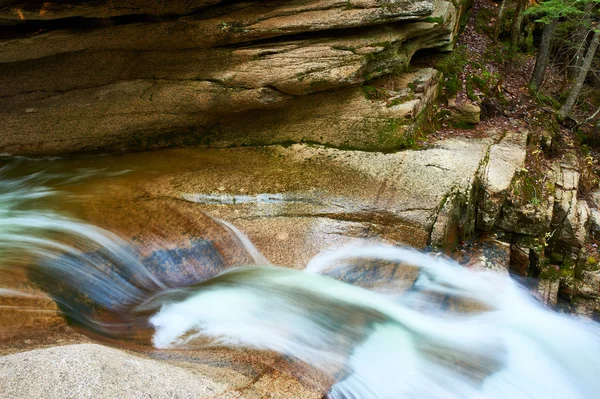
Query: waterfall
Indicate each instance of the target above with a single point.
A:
(455, 333)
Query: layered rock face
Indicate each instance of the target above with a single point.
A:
(82, 76)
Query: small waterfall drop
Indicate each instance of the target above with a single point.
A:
(455, 333)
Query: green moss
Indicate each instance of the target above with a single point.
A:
(527, 187)
(566, 271)
(452, 86)
(483, 18)
(434, 20)
(546, 122)
(344, 48)
(592, 262)
(544, 100)
(452, 65)
(402, 100)
(556, 257)
(550, 188)
(374, 93)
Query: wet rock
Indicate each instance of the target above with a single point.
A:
(587, 292)
(293, 202)
(387, 277)
(505, 158)
(332, 191)
(519, 259)
(491, 254)
(547, 291)
(28, 314)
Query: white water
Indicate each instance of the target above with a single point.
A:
(496, 341)
(397, 348)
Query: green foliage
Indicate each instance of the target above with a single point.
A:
(454, 63)
(435, 20)
(544, 99)
(502, 53)
(527, 45)
(452, 86)
(553, 272)
(527, 187)
(486, 82)
(549, 10)
(451, 65)
(483, 20)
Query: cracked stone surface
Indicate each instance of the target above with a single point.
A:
(505, 158)
(234, 74)
(572, 216)
(294, 202)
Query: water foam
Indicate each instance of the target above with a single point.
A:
(456, 333)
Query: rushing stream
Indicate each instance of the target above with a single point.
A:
(456, 333)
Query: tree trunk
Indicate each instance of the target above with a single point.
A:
(541, 61)
(580, 37)
(585, 68)
(515, 34)
(499, 21)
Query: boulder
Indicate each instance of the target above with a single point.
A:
(464, 113)
(574, 230)
(528, 208)
(92, 371)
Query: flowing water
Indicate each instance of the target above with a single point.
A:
(456, 333)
